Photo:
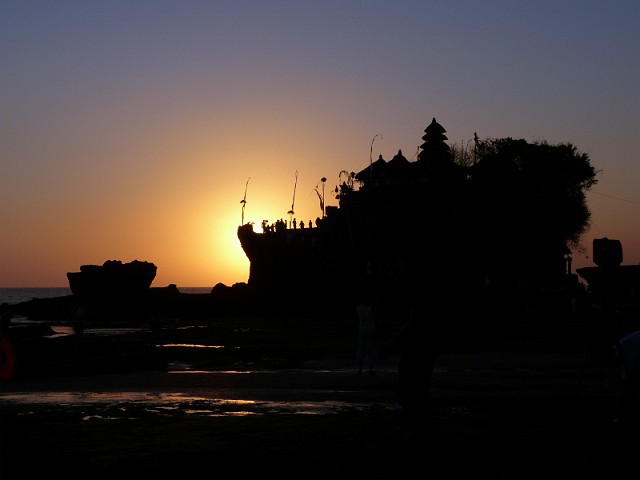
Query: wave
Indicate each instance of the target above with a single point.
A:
(18, 295)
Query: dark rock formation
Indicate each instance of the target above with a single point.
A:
(114, 290)
(113, 277)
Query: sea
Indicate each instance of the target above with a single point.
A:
(19, 295)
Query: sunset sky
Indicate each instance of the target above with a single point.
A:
(129, 129)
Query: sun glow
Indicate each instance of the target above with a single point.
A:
(224, 251)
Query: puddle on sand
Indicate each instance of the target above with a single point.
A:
(118, 405)
(188, 345)
(128, 404)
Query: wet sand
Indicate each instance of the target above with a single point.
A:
(515, 400)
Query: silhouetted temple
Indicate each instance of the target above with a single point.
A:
(431, 224)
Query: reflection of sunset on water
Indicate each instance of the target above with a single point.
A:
(116, 406)
(188, 345)
(224, 393)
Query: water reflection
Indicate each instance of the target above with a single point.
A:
(110, 406)
(66, 330)
(189, 345)
(210, 397)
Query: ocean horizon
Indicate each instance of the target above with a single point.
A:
(13, 295)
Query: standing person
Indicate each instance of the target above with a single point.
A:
(367, 348)
(627, 349)
(420, 342)
(5, 316)
(7, 352)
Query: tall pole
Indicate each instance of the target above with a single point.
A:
(244, 199)
(475, 147)
(323, 180)
(371, 154)
(292, 212)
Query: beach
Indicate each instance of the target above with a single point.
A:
(512, 397)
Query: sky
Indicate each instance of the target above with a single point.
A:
(130, 130)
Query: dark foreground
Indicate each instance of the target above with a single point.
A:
(512, 398)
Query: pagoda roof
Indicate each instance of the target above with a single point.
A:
(435, 127)
(374, 170)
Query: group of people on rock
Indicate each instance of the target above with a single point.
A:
(281, 225)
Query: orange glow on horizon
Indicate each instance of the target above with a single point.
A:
(123, 142)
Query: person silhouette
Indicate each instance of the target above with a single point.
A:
(627, 348)
(420, 342)
(7, 351)
(5, 316)
(367, 347)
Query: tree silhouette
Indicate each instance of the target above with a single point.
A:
(529, 199)
(501, 207)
